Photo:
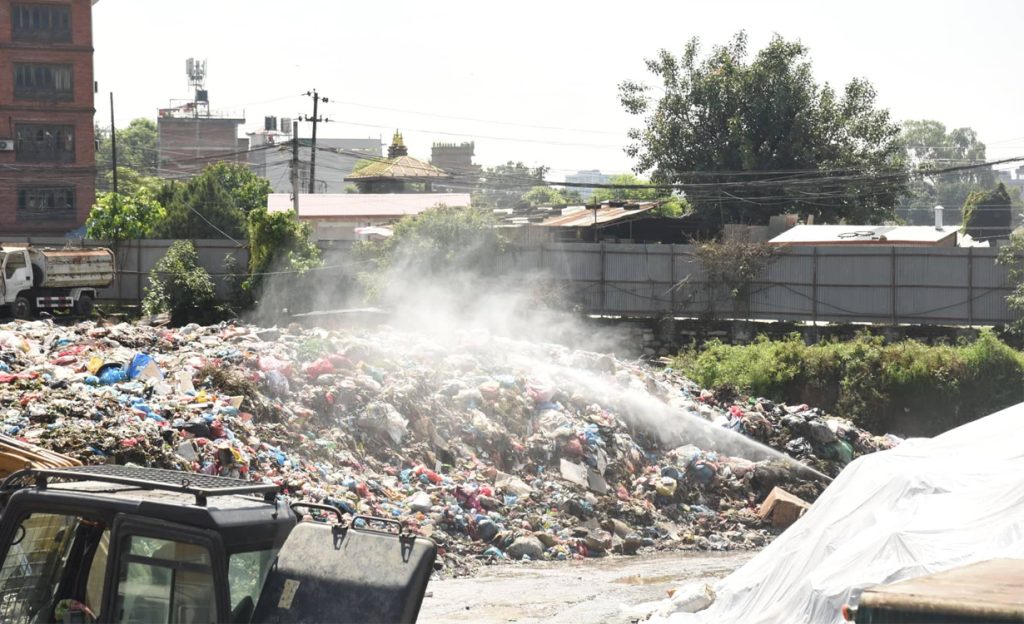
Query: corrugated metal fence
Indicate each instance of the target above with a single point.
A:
(913, 285)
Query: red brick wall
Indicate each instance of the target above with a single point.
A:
(78, 112)
(188, 145)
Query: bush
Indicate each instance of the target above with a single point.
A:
(178, 285)
(907, 386)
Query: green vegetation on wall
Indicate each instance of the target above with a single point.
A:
(907, 387)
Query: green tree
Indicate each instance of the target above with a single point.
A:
(448, 241)
(180, 286)
(668, 205)
(136, 151)
(124, 217)
(199, 208)
(212, 204)
(736, 131)
(504, 186)
(248, 190)
(988, 215)
(930, 147)
(544, 196)
(278, 241)
(1012, 256)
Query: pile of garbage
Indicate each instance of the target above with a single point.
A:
(496, 449)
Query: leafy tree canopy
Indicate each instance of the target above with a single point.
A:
(503, 186)
(930, 146)
(136, 150)
(278, 241)
(739, 129)
(988, 214)
(117, 217)
(213, 203)
(544, 196)
(669, 205)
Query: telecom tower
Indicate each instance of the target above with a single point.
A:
(196, 71)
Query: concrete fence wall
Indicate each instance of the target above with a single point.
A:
(136, 258)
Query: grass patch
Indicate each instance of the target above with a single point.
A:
(908, 386)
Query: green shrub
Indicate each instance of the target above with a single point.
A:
(906, 386)
(178, 285)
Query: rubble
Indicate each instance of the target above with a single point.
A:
(496, 449)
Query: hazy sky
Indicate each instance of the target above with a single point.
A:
(492, 72)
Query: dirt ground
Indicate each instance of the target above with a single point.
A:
(594, 590)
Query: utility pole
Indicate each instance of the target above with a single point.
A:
(312, 153)
(295, 167)
(113, 143)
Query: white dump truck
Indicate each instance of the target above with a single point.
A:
(34, 279)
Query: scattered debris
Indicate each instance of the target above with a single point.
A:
(496, 449)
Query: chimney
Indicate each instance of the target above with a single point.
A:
(938, 218)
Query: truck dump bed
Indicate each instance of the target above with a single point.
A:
(72, 268)
(990, 591)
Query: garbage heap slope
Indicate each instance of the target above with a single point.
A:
(496, 449)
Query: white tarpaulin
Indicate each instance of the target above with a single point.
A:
(926, 506)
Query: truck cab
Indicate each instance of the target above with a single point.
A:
(141, 545)
(15, 278)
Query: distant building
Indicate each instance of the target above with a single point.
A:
(336, 217)
(191, 136)
(47, 143)
(187, 142)
(399, 173)
(455, 158)
(335, 159)
(587, 176)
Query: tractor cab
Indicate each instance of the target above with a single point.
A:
(142, 545)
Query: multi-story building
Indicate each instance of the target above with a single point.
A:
(47, 149)
(587, 176)
(335, 159)
(188, 141)
(455, 158)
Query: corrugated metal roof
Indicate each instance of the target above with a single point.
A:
(581, 216)
(401, 167)
(354, 205)
(863, 234)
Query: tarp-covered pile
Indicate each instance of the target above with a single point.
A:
(494, 448)
(924, 507)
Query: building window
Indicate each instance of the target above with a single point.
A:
(36, 143)
(46, 203)
(37, 81)
(41, 22)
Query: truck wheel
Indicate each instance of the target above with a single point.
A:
(22, 309)
(84, 305)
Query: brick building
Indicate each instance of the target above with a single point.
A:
(47, 147)
(189, 141)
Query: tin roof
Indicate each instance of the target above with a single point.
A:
(581, 216)
(370, 205)
(864, 235)
(402, 167)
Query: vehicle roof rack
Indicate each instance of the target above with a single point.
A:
(199, 485)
